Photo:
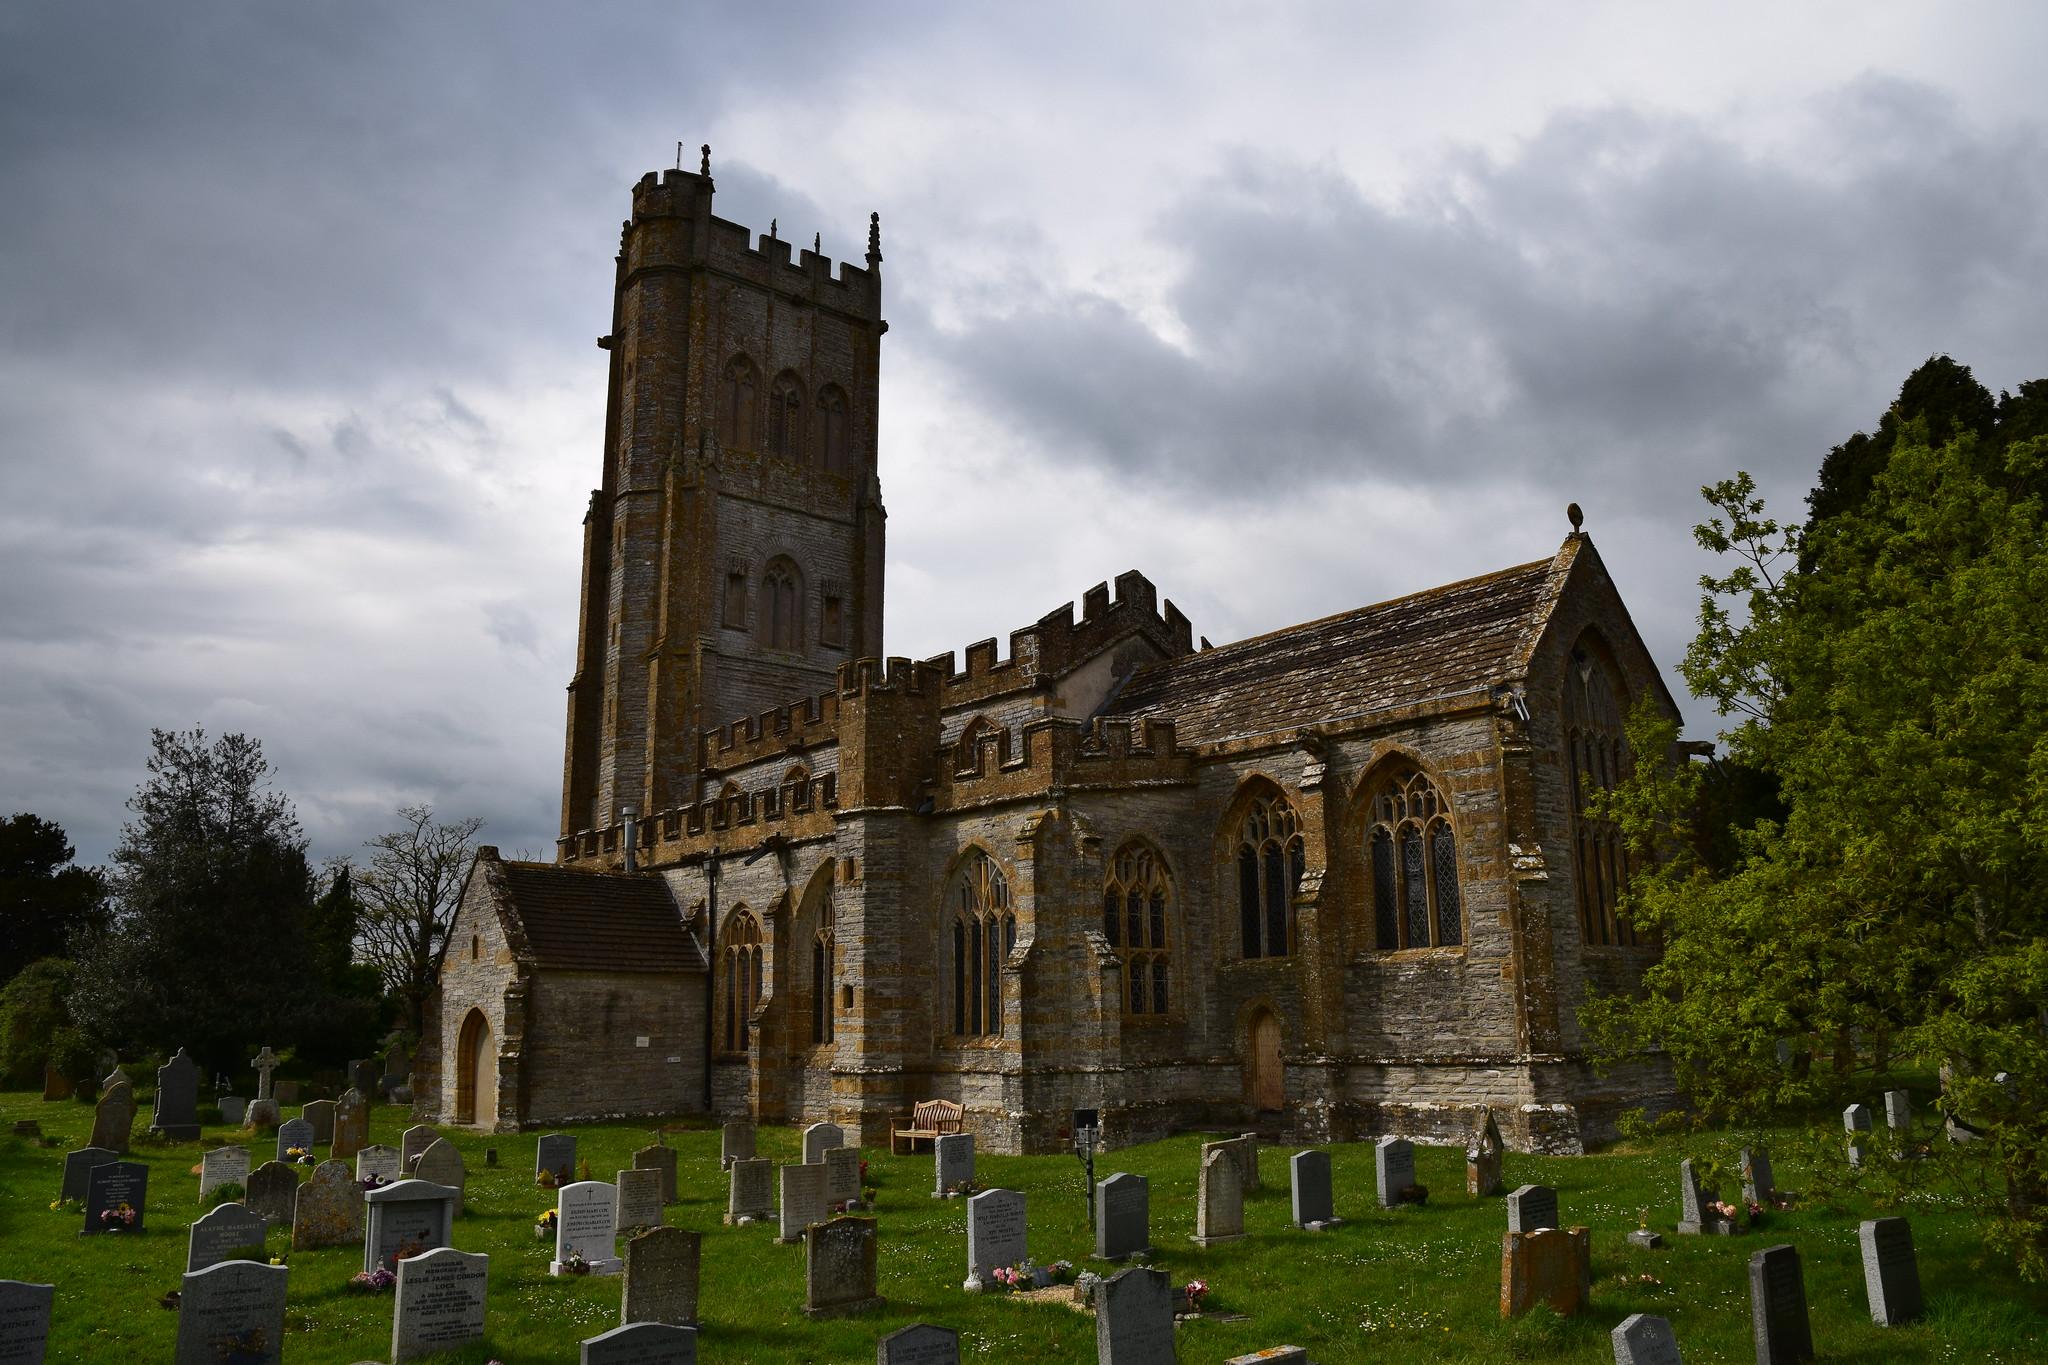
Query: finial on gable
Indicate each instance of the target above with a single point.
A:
(772, 222)
(704, 165)
(874, 239)
(1577, 517)
(817, 244)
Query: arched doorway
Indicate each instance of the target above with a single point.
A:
(476, 1073)
(1265, 1077)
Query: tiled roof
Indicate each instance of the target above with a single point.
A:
(599, 921)
(1437, 643)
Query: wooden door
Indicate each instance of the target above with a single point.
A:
(1269, 1081)
(476, 1072)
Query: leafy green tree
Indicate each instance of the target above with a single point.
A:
(43, 898)
(35, 1026)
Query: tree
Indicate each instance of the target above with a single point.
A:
(409, 894)
(36, 1029)
(43, 899)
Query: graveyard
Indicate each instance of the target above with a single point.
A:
(1416, 1281)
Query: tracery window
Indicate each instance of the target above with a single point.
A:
(736, 394)
(824, 973)
(832, 433)
(1135, 904)
(786, 417)
(1270, 861)
(1412, 853)
(739, 988)
(984, 929)
(782, 596)
(1596, 758)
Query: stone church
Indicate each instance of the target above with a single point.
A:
(1334, 881)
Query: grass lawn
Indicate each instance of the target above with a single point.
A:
(1414, 1285)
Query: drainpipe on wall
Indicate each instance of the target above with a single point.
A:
(629, 841)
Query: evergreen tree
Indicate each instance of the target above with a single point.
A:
(43, 898)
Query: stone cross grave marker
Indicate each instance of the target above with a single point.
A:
(820, 1138)
(641, 1343)
(233, 1311)
(223, 1166)
(233, 1110)
(440, 1302)
(1759, 1185)
(735, 1142)
(587, 1225)
(1483, 1154)
(380, 1161)
(952, 1163)
(1310, 1197)
(406, 1217)
(663, 1159)
(294, 1133)
(113, 1117)
(1856, 1119)
(662, 1267)
(1531, 1207)
(803, 1200)
(412, 1142)
(842, 1174)
(108, 1188)
(639, 1199)
(839, 1268)
(555, 1154)
(1777, 1307)
(351, 1125)
(175, 1113)
(752, 1193)
(320, 1113)
(919, 1344)
(24, 1321)
(1394, 1162)
(1123, 1216)
(442, 1164)
(262, 1111)
(272, 1190)
(78, 1164)
(1219, 1200)
(227, 1232)
(1891, 1273)
(1134, 1318)
(997, 1235)
(1696, 1213)
(1551, 1266)
(1898, 1110)
(330, 1209)
(1644, 1339)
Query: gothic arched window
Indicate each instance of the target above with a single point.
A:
(832, 433)
(983, 929)
(736, 393)
(781, 619)
(1596, 757)
(1136, 904)
(824, 976)
(1270, 861)
(1412, 852)
(740, 981)
(786, 417)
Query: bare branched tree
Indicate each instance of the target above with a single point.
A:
(408, 894)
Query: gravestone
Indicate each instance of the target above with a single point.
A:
(272, 1190)
(56, 1086)
(1891, 1273)
(1134, 1318)
(952, 1163)
(175, 1113)
(996, 1235)
(1273, 1355)
(1644, 1339)
(752, 1193)
(842, 1175)
(440, 1302)
(287, 1092)
(1856, 1119)
(294, 1133)
(1696, 1211)
(1219, 1200)
(839, 1268)
(1759, 1185)
(1551, 1266)
(78, 1164)
(262, 1111)
(111, 1186)
(233, 1311)
(639, 1199)
(662, 1266)
(1123, 1216)
(1244, 1151)
(24, 1321)
(380, 1161)
(229, 1232)
(441, 1163)
(362, 1076)
(320, 1113)
(113, 1117)
(1532, 1207)
(919, 1344)
(397, 1069)
(642, 1343)
(1310, 1197)
(819, 1139)
(1777, 1307)
(223, 1166)
(233, 1110)
(1394, 1162)
(555, 1154)
(1483, 1155)
(1898, 1110)
(735, 1143)
(663, 1159)
(351, 1125)
(330, 1209)
(803, 1200)
(412, 1142)
(587, 1225)
(404, 1219)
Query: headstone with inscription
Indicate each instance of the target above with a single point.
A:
(952, 1163)
(1123, 1216)
(223, 1166)
(735, 1142)
(175, 1112)
(1644, 1339)
(555, 1155)
(663, 1159)
(662, 1266)
(1898, 1110)
(232, 1311)
(1219, 1200)
(1531, 1207)
(320, 1113)
(406, 1218)
(442, 1164)
(1551, 1266)
(114, 1116)
(294, 1135)
(803, 1200)
(440, 1303)
(273, 1191)
(587, 1227)
(351, 1125)
(1891, 1273)
(839, 1268)
(228, 1232)
(1394, 1163)
(379, 1161)
(1759, 1184)
(1777, 1307)
(821, 1138)
(330, 1209)
(752, 1193)
(1483, 1154)
(116, 1197)
(919, 1344)
(1310, 1190)
(641, 1343)
(24, 1321)
(842, 1175)
(78, 1164)
(233, 1110)
(262, 1111)
(996, 1235)
(1134, 1318)
(639, 1199)
(412, 1142)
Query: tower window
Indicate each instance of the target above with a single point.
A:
(782, 596)
(786, 417)
(832, 434)
(736, 404)
(736, 595)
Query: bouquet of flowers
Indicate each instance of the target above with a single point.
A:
(1061, 1271)
(1196, 1291)
(574, 1264)
(1011, 1277)
(372, 1181)
(544, 1226)
(117, 1219)
(545, 1179)
(376, 1281)
(298, 1156)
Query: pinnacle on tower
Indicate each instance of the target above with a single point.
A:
(874, 239)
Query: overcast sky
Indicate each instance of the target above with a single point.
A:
(1294, 309)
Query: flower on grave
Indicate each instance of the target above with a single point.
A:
(575, 1264)
(1010, 1277)
(1061, 1271)
(118, 1218)
(249, 1348)
(1643, 1220)
(547, 1218)
(546, 1180)
(372, 1281)
(1196, 1290)
(863, 1168)
(1724, 1208)
(372, 1181)
(867, 1194)
(279, 1260)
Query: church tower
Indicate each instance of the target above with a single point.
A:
(732, 557)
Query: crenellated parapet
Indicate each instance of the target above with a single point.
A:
(1064, 754)
(801, 725)
(1057, 643)
(736, 822)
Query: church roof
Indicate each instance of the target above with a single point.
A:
(1437, 643)
(580, 920)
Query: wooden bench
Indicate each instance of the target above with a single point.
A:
(928, 1120)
